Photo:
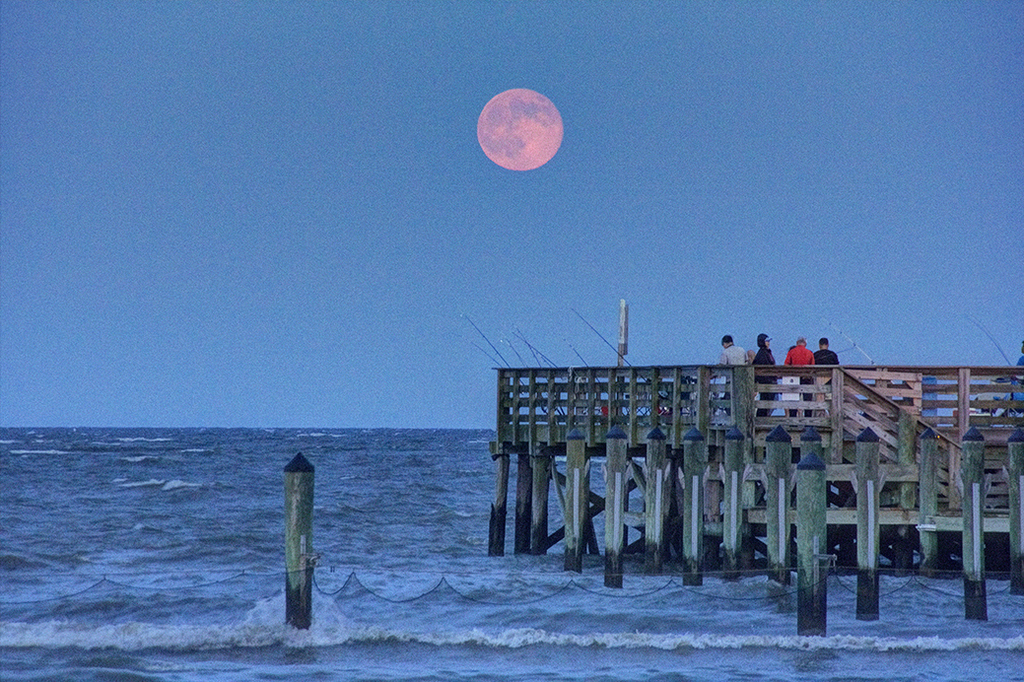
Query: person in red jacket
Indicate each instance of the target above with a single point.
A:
(800, 355)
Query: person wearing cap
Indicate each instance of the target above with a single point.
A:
(764, 357)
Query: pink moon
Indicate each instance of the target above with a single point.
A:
(519, 129)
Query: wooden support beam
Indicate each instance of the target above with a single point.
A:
(496, 535)
(695, 461)
(734, 525)
(1015, 478)
(615, 505)
(524, 499)
(811, 538)
(928, 507)
(577, 489)
(656, 501)
(972, 472)
(778, 456)
(868, 487)
(540, 464)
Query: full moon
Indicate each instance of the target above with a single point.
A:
(519, 129)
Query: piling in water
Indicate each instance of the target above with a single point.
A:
(656, 501)
(733, 524)
(577, 493)
(615, 505)
(1015, 475)
(524, 495)
(298, 542)
(695, 461)
(496, 534)
(811, 538)
(866, 469)
(972, 472)
(540, 464)
(928, 487)
(778, 455)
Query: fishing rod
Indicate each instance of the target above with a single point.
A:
(577, 353)
(990, 338)
(482, 350)
(617, 354)
(497, 352)
(536, 353)
(861, 350)
(509, 344)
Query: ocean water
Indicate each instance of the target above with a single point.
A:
(157, 554)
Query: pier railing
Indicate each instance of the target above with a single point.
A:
(541, 405)
(537, 407)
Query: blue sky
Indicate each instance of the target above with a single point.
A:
(278, 214)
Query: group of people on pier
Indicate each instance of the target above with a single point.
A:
(798, 354)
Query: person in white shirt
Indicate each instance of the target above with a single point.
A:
(731, 353)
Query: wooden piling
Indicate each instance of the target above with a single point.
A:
(614, 506)
(695, 460)
(298, 542)
(1015, 476)
(496, 534)
(743, 411)
(734, 522)
(906, 431)
(811, 538)
(540, 464)
(928, 491)
(778, 456)
(656, 501)
(524, 498)
(866, 468)
(577, 493)
(972, 472)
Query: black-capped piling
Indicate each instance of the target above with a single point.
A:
(577, 496)
(778, 456)
(298, 542)
(656, 500)
(811, 538)
(734, 526)
(867, 486)
(695, 461)
(972, 473)
(615, 505)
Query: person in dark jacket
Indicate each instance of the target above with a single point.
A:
(764, 357)
(824, 356)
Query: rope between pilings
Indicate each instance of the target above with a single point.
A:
(121, 580)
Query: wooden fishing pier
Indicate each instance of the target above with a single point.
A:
(700, 464)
